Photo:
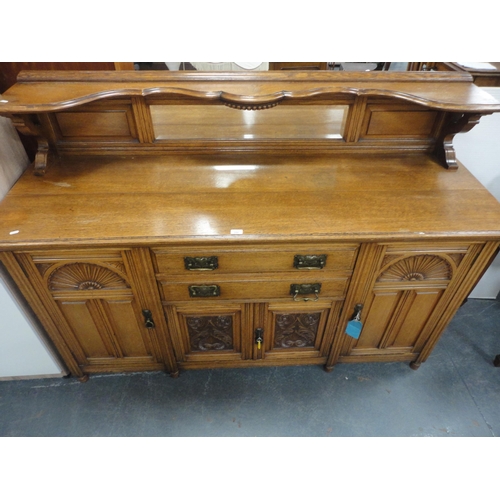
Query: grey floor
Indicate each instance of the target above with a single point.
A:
(455, 393)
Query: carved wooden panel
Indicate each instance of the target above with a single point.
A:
(299, 330)
(85, 276)
(203, 332)
(296, 330)
(210, 333)
(417, 268)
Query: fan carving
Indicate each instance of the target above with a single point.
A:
(83, 276)
(418, 268)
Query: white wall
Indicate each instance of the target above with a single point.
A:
(479, 151)
(22, 352)
(13, 157)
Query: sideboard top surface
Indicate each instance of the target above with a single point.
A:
(44, 91)
(113, 200)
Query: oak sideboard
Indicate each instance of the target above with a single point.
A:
(183, 220)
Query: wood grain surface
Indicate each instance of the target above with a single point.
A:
(105, 200)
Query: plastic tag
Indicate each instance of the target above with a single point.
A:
(354, 328)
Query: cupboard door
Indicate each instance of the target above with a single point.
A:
(394, 320)
(103, 307)
(408, 293)
(210, 333)
(109, 332)
(298, 332)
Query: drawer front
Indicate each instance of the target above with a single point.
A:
(253, 290)
(214, 261)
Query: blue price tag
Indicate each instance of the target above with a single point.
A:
(354, 328)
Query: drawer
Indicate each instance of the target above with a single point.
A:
(255, 289)
(214, 261)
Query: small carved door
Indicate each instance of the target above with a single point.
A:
(205, 333)
(297, 331)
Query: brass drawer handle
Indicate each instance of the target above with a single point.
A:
(201, 263)
(305, 289)
(309, 261)
(196, 291)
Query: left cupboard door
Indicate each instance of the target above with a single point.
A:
(109, 333)
(106, 311)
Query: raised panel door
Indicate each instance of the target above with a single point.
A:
(405, 292)
(108, 333)
(207, 334)
(102, 308)
(394, 321)
(299, 332)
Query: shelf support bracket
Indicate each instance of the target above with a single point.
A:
(28, 125)
(459, 123)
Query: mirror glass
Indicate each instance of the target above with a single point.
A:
(219, 122)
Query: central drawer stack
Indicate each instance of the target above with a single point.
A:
(254, 306)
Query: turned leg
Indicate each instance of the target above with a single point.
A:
(496, 361)
(41, 158)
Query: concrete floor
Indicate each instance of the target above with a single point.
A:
(455, 393)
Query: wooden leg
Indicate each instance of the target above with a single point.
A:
(83, 379)
(414, 365)
(496, 361)
(328, 369)
(41, 159)
(175, 374)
